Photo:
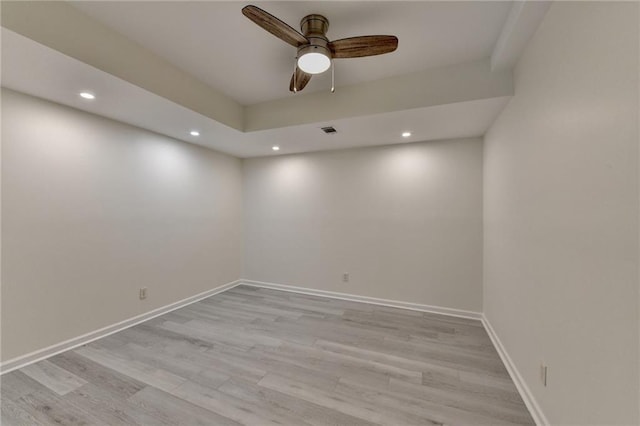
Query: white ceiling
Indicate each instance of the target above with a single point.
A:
(32, 68)
(216, 44)
(430, 85)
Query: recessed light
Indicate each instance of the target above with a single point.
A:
(406, 134)
(87, 95)
(195, 133)
(275, 148)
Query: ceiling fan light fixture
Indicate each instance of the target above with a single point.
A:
(315, 51)
(314, 59)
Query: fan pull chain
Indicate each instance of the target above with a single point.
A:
(295, 74)
(333, 78)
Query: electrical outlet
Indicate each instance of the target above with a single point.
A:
(345, 277)
(544, 371)
(143, 293)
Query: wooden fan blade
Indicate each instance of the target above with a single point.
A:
(357, 47)
(301, 80)
(274, 26)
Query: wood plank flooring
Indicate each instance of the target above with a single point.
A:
(256, 356)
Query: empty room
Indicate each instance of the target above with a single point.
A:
(320, 213)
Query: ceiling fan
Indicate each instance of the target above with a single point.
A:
(315, 51)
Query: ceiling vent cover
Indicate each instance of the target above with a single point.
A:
(329, 130)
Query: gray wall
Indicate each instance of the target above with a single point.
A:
(405, 221)
(93, 209)
(561, 215)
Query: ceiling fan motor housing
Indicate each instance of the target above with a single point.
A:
(314, 27)
(314, 24)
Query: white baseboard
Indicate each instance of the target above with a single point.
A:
(365, 299)
(40, 354)
(521, 385)
(523, 389)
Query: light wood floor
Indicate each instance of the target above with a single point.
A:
(257, 356)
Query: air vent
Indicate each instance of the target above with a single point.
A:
(329, 130)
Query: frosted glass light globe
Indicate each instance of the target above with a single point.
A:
(314, 62)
